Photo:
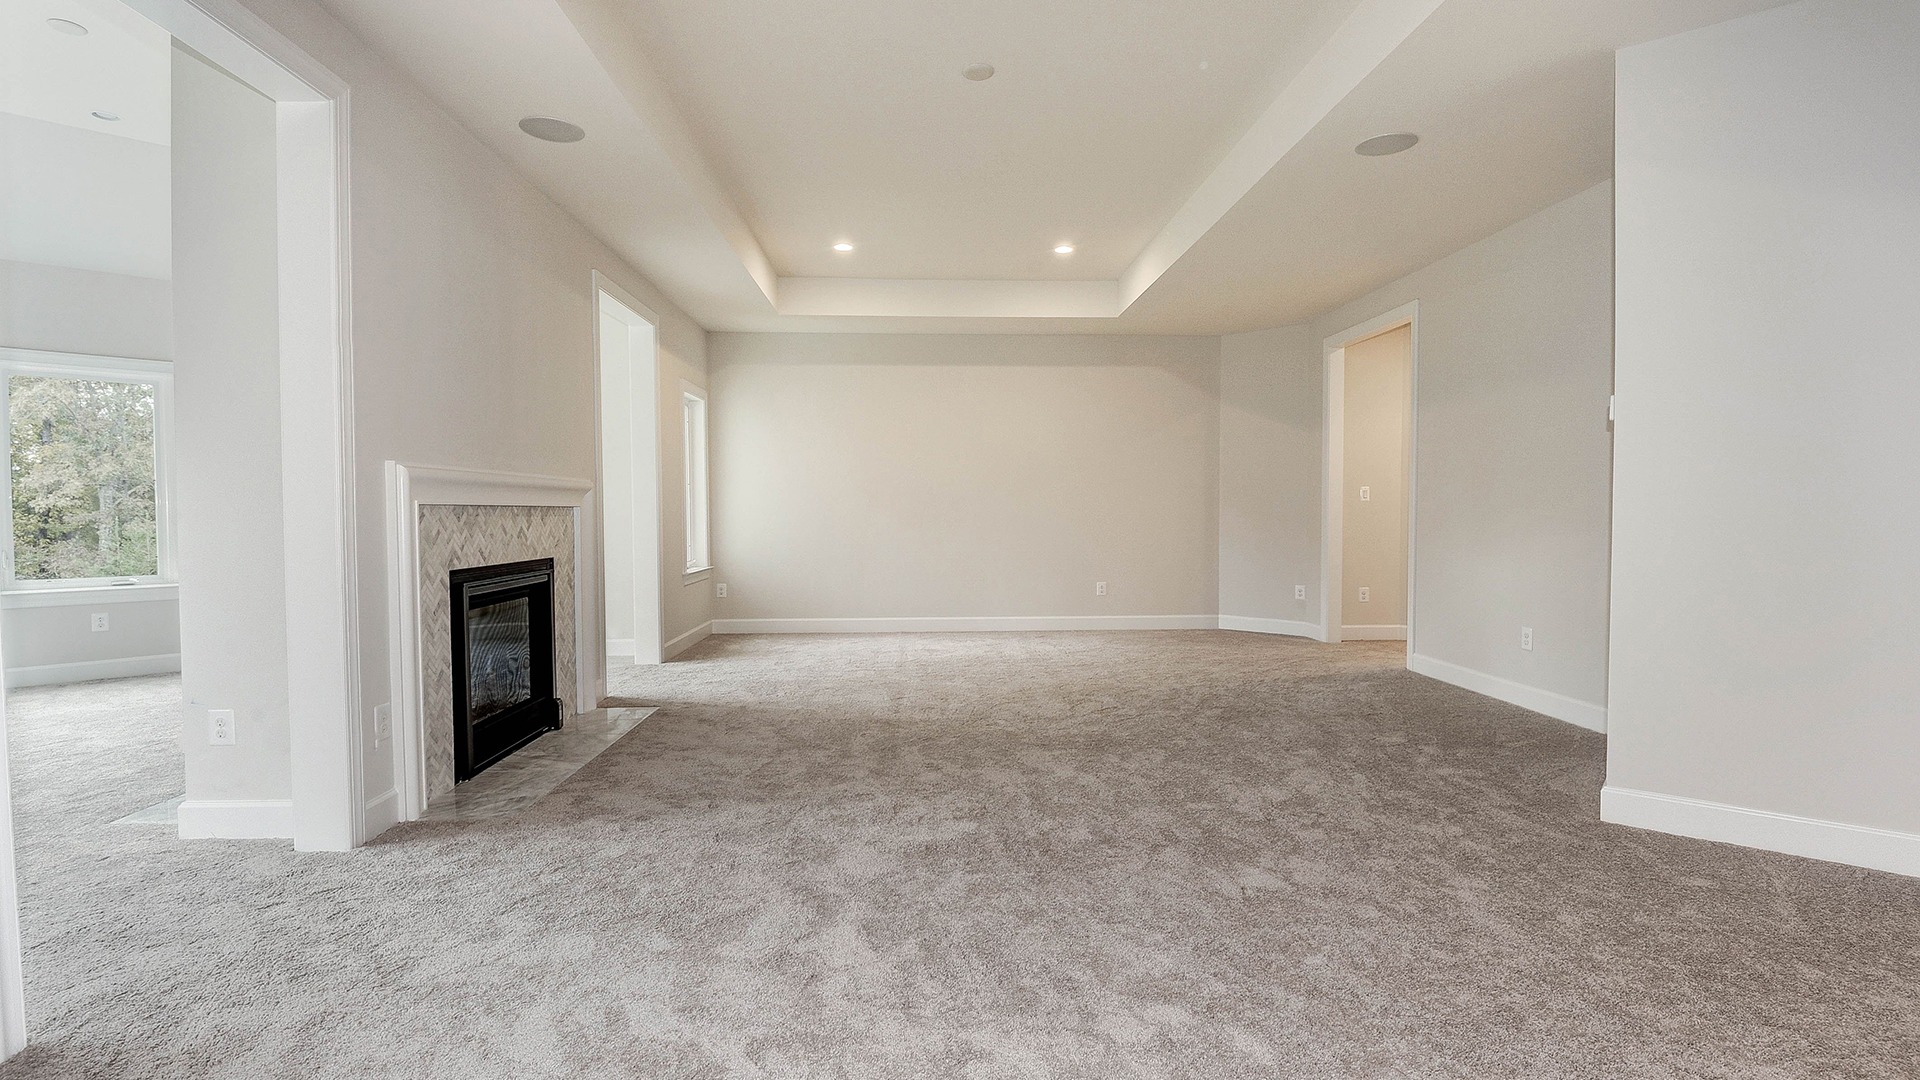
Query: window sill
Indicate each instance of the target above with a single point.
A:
(89, 595)
(697, 574)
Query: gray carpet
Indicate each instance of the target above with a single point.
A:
(1047, 855)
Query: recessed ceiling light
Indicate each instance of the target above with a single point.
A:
(979, 72)
(552, 129)
(107, 116)
(1382, 145)
(843, 246)
(68, 26)
(1063, 249)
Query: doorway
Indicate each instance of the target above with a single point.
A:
(1367, 550)
(628, 476)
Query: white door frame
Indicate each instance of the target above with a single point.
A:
(649, 538)
(317, 452)
(1333, 430)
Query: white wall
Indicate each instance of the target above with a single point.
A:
(82, 199)
(1270, 406)
(937, 476)
(473, 319)
(1378, 400)
(1768, 504)
(226, 385)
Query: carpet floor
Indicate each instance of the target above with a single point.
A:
(1190, 854)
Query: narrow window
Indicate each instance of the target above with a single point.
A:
(694, 430)
(86, 480)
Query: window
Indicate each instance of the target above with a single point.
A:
(87, 470)
(693, 427)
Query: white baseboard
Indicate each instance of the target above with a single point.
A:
(965, 625)
(1373, 633)
(89, 670)
(620, 646)
(1286, 627)
(688, 640)
(1559, 706)
(236, 819)
(383, 812)
(1812, 838)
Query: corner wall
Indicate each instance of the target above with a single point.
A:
(1765, 689)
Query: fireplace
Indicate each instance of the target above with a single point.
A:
(502, 661)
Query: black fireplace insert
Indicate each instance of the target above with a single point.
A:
(503, 695)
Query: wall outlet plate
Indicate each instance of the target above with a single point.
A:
(1099, 588)
(1526, 638)
(1299, 592)
(220, 727)
(382, 723)
(720, 590)
(1366, 594)
(99, 622)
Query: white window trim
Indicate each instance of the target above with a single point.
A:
(696, 486)
(158, 373)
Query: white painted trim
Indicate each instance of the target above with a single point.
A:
(688, 640)
(1812, 838)
(622, 646)
(92, 595)
(383, 811)
(1333, 431)
(1559, 706)
(648, 541)
(966, 624)
(13, 994)
(1286, 627)
(120, 667)
(236, 819)
(1373, 633)
(409, 487)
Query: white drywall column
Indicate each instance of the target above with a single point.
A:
(1767, 510)
(227, 416)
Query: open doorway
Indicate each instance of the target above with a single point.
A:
(628, 476)
(174, 314)
(1368, 535)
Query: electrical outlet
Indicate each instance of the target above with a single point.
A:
(1099, 588)
(99, 622)
(382, 723)
(220, 727)
(1299, 592)
(1366, 594)
(1366, 493)
(720, 590)
(1526, 638)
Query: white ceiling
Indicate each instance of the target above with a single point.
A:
(732, 142)
(77, 191)
(122, 66)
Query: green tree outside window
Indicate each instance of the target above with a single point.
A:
(82, 465)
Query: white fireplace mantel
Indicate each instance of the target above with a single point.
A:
(409, 487)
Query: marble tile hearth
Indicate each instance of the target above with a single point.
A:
(537, 768)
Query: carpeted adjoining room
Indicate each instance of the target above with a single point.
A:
(1125, 854)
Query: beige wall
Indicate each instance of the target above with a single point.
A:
(939, 476)
(1270, 406)
(1377, 419)
(1767, 538)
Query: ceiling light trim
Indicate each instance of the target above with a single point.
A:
(606, 34)
(1362, 43)
(948, 298)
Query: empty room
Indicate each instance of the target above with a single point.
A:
(860, 538)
